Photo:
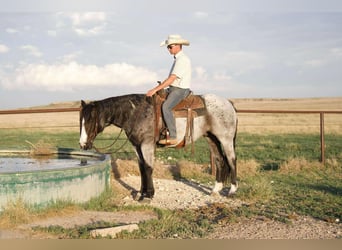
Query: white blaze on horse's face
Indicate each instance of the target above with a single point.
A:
(84, 136)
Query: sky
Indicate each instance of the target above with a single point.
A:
(92, 50)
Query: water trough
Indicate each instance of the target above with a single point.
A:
(66, 175)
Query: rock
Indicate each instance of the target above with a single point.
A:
(113, 231)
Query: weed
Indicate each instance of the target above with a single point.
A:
(15, 213)
(180, 224)
(279, 178)
(256, 188)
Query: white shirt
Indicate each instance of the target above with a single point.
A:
(182, 69)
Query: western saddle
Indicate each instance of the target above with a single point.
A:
(190, 107)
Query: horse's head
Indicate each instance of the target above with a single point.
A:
(89, 124)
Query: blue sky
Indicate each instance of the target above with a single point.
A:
(239, 49)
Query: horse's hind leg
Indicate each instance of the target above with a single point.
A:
(225, 160)
(229, 151)
(222, 170)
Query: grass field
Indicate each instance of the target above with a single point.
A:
(279, 173)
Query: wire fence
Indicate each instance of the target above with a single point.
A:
(67, 119)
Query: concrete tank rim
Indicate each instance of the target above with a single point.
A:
(72, 153)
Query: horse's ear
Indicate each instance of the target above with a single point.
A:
(83, 103)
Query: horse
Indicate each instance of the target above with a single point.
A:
(134, 114)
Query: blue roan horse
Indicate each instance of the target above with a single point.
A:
(135, 115)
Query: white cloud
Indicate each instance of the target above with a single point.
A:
(83, 24)
(79, 19)
(200, 73)
(337, 52)
(222, 77)
(314, 62)
(11, 31)
(71, 57)
(3, 48)
(241, 61)
(201, 14)
(52, 33)
(70, 76)
(31, 50)
(209, 82)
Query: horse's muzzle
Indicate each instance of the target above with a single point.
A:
(86, 146)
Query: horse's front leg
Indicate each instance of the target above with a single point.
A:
(145, 154)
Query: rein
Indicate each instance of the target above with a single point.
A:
(99, 150)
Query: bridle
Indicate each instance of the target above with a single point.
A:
(100, 150)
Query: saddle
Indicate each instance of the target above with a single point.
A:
(190, 107)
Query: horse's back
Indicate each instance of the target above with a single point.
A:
(217, 104)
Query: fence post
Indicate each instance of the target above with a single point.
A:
(322, 137)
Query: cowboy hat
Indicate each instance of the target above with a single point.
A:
(174, 39)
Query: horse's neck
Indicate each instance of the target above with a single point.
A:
(119, 110)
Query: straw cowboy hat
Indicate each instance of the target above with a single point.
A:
(174, 39)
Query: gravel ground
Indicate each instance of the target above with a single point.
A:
(302, 227)
(174, 194)
(185, 194)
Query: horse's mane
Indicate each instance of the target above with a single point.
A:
(118, 109)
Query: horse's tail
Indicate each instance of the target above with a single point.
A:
(225, 171)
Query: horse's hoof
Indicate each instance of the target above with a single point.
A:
(135, 195)
(233, 189)
(145, 200)
(231, 194)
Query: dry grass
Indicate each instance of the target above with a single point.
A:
(248, 168)
(190, 170)
(251, 123)
(296, 165)
(289, 123)
(41, 148)
(18, 212)
(15, 213)
(67, 121)
(333, 103)
(183, 169)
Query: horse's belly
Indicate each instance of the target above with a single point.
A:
(198, 131)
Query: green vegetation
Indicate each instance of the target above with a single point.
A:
(268, 150)
(279, 178)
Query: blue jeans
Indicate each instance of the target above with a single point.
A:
(176, 95)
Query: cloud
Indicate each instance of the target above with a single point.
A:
(241, 61)
(11, 31)
(216, 81)
(314, 63)
(3, 48)
(200, 73)
(201, 14)
(32, 50)
(52, 33)
(71, 56)
(72, 75)
(79, 19)
(337, 52)
(83, 24)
